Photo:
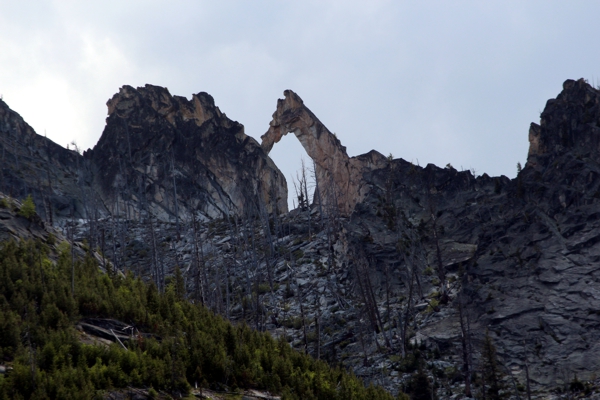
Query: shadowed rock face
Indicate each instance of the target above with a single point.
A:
(569, 123)
(526, 249)
(160, 153)
(155, 145)
(339, 177)
(57, 178)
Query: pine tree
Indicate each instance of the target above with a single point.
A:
(27, 208)
(179, 282)
(420, 387)
(492, 375)
(197, 346)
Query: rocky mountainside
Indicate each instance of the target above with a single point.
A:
(525, 250)
(33, 164)
(393, 265)
(159, 155)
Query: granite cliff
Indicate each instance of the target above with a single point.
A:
(522, 253)
(33, 164)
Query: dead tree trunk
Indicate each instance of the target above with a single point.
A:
(72, 255)
(269, 245)
(196, 259)
(158, 276)
(175, 197)
(361, 337)
(365, 298)
(243, 234)
(317, 194)
(407, 312)
(304, 326)
(304, 185)
(318, 327)
(361, 273)
(440, 266)
(376, 309)
(465, 350)
(388, 279)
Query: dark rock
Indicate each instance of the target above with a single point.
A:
(532, 277)
(159, 154)
(155, 144)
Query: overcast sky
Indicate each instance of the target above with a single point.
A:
(429, 81)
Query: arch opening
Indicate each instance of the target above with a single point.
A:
(289, 155)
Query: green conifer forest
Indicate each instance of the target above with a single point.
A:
(183, 345)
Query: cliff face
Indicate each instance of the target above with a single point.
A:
(173, 155)
(519, 255)
(569, 124)
(161, 154)
(523, 251)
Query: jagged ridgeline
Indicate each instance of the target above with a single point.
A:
(423, 280)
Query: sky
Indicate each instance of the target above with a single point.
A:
(438, 82)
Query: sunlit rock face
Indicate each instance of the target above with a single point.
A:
(339, 177)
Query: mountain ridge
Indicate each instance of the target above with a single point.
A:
(392, 265)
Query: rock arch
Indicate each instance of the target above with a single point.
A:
(340, 177)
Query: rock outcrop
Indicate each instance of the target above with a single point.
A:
(160, 154)
(520, 255)
(16, 227)
(175, 155)
(569, 123)
(340, 178)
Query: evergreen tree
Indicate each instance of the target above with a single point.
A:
(27, 208)
(176, 345)
(179, 282)
(420, 387)
(491, 374)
